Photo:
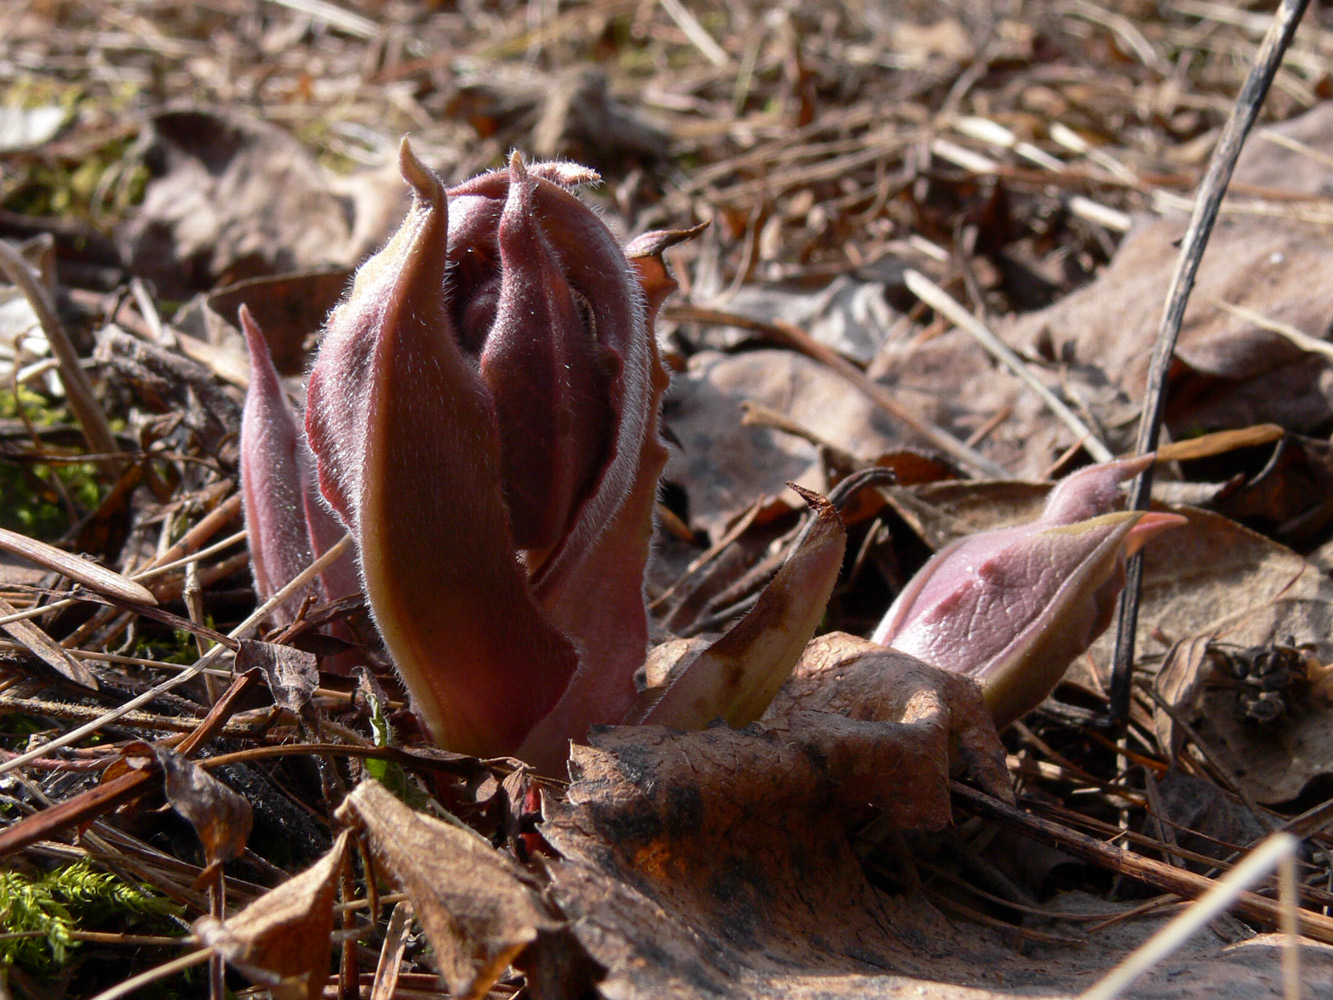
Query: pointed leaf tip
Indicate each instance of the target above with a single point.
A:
(737, 676)
(1148, 527)
(1092, 491)
(423, 181)
(566, 175)
(1012, 607)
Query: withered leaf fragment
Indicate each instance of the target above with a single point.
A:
(1014, 606)
(477, 907)
(292, 675)
(484, 414)
(736, 677)
(284, 939)
(221, 817)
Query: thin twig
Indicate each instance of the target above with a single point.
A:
(201, 664)
(1206, 205)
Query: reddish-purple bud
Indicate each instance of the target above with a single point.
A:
(484, 414)
(1013, 607)
(288, 527)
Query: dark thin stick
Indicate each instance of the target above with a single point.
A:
(1211, 192)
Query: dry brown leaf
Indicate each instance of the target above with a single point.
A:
(715, 864)
(46, 649)
(230, 198)
(220, 817)
(1275, 759)
(478, 908)
(724, 465)
(1278, 267)
(292, 674)
(283, 940)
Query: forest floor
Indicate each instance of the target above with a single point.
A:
(878, 182)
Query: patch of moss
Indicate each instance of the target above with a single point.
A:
(104, 181)
(29, 504)
(57, 903)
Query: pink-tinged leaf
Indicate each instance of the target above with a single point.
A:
(736, 677)
(272, 473)
(551, 390)
(408, 449)
(287, 525)
(1013, 607)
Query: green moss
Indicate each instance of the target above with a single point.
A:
(100, 186)
(29, 502)
(180, 650)
(56, 904)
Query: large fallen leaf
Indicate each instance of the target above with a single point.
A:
(283, 940)
(857, 728)
(230, 197)
(478, 908)
(715, 864)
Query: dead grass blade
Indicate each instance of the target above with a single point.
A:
(1275, 852)
(78, 569)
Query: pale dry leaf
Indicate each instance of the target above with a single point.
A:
(478, 908)
(725, 465)
(222, 818)
(230, 197)
(284, 939)
(80, 570)
(1276, 759)
(1237, 373)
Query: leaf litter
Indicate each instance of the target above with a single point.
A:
(1036, 166)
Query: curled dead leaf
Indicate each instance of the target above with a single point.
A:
(292, 674)
(736, 677)
(478, 908)
(283, 940)
(220, 817)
